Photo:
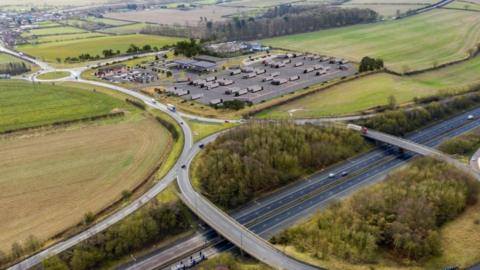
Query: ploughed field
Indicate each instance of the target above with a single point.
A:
(414, 43)
(50, 178)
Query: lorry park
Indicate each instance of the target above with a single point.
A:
(262, 80)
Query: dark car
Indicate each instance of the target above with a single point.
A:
(184, 166)
(201, 146)
(344, 173)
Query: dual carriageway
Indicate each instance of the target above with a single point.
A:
(268, 215)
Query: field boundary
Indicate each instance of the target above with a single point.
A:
(451, 63)
(65, 123)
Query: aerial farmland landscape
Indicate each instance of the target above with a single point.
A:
(240, 134)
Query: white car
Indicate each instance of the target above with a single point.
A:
(331, 175)
(470, 117)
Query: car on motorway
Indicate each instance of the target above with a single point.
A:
(344, 173)
(331, 175)
(470, 117)
(184, 166)
(154, 101)
(201, 146)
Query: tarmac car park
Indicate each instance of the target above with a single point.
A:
(263, 80)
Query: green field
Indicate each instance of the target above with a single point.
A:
(53, 75)
(25, 105)
(48, 24)
(58, 38)
(413, 43)
(367, 92)
(55, 31)
(464, 5)
(126, 29)
(50, 51)
(6, 58)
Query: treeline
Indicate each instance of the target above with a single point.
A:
(400, 122)
(144, 228)
(107, 53)
(14, 68)
(401, 215)
(461, 145)
(370, 64)
(170, 127)
(256, 158)
(292, 20)
(18, 249)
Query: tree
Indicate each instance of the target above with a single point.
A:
(59, 60)
(54, 263)
(88, 218)
(146, 47)
(392, 102)
(16, 250)
(3, 257)
(32, 244)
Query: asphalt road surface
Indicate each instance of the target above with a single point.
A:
(271, 214)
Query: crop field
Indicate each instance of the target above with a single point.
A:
(365, 93)
(36, 3)
(125, 29)
(55, 31)
(50, 51)
(271, 3)
(464, 5)
(386, 10)
(48, 24)
(107, 21)
(49, 181)
(58, 38)
(25, 105)
(177, 16)
(409, 44)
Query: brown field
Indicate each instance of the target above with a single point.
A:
(51, 179)
(176, 16)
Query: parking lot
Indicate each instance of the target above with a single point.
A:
(263, 80)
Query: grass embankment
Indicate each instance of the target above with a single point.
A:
(409, 221)
(373, 90)
(201, 129)
(53, 75)
(231, 262)
(93, 46)
(6, 58)
(414, 43)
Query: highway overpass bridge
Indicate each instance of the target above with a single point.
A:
(411, 146)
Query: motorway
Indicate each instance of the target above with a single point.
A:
(271, 214)
(238, 234)
(224, 224)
